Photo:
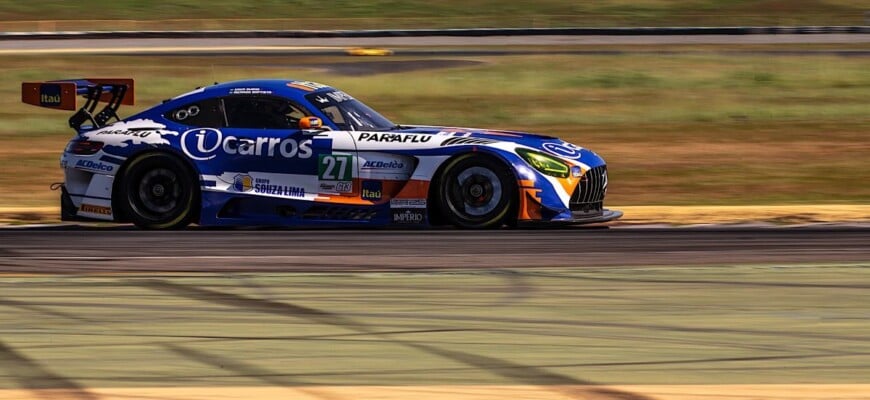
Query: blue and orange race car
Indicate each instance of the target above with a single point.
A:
(299, 153)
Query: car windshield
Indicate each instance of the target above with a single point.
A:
(348, 113)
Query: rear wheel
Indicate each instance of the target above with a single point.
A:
(477, 191)
(158, 192)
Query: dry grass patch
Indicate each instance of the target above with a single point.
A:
(676, 129)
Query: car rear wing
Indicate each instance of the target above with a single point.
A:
(62, 95)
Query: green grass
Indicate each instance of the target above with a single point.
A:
(314, 14)
(661, 325)
(696, 128)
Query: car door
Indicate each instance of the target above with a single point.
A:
(273, 157)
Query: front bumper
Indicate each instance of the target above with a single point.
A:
(579, 217)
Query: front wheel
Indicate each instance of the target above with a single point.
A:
(477, 191)
(158, 192)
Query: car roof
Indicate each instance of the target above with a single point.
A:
(290, 88)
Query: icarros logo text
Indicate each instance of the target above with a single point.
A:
(205, 143)
(566, 150)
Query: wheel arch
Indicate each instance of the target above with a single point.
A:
(434, 209)
(122, 171)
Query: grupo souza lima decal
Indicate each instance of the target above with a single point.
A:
(203, 143)
(245, 183)
(265, 161)
(135, 132)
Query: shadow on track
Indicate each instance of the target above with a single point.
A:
(519, 373)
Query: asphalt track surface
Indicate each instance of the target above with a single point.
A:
(86, 250)
(223, 44)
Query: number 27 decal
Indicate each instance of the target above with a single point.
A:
(334, 167)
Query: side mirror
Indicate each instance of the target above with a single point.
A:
(310, 123)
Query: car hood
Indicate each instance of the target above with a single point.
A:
(507, 136)
(548, 144)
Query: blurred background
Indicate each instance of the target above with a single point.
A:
(736, 120)
(380, 14)
(679, 124)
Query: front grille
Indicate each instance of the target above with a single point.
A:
(589, 194)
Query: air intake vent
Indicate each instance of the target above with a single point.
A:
(339, 213)
(589, 194)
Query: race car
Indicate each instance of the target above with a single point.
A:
(299, 153)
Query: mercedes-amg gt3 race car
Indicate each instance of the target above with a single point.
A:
(298, 153)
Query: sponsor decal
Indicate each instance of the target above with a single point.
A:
(408, 203)
(243, 183)
(564, 150)
(408, 215)
(250, 90)
(381, 164)
(137, 131)
(306, 85)
(246, 183)
(372, 190)
(339, 96)
(49, 95)
(334, 167)
(93, 209)
(336, 187)
(204, 144)
(94, 166)
(280, 190)
(393, 138)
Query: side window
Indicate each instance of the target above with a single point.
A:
(205, 113)
(333, 113)
(260, 112)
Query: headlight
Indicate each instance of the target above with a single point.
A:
(548, 165)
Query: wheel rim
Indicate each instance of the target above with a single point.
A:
(475, 192)
(158, 192)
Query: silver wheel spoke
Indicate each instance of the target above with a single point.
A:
(481, 175)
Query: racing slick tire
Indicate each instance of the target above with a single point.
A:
(477, 192)
(158, 191)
